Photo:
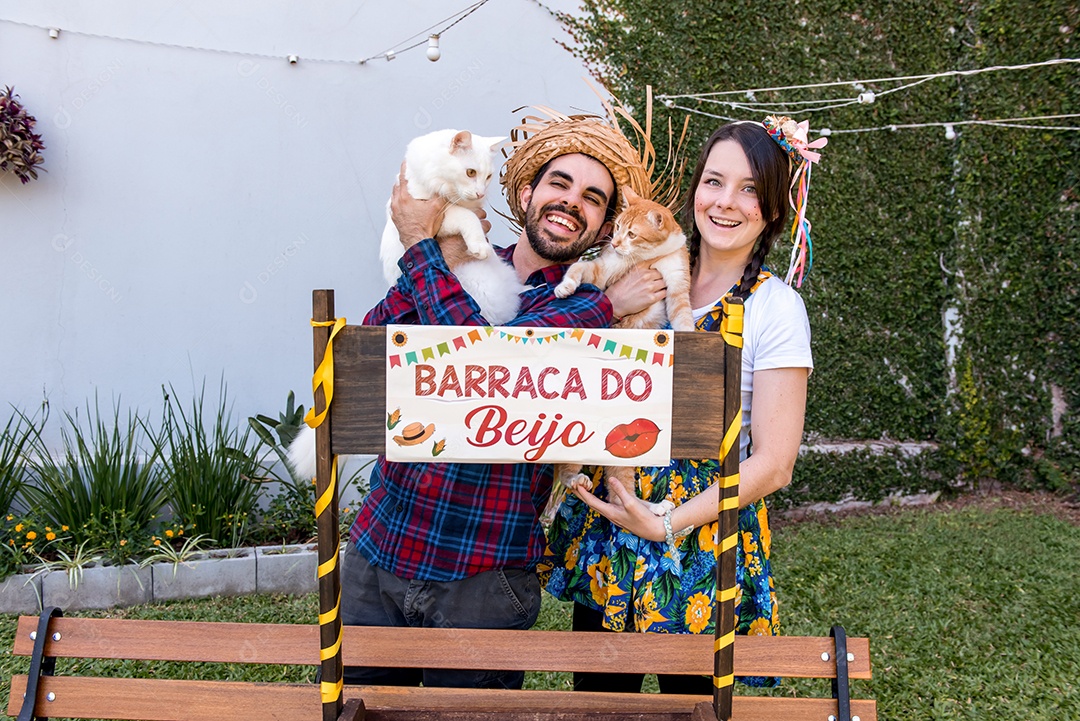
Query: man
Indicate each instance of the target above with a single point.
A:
(456, 545)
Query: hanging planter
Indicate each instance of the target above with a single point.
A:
(20, 146)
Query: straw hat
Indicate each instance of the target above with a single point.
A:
(414, 434)
(537, 140)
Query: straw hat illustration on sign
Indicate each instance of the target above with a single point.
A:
(414, 433)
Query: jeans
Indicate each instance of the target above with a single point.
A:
(504, 598)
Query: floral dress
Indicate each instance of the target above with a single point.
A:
(635, 581)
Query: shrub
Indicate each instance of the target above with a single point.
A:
(106, 484)
(14, 439)
(212, 471)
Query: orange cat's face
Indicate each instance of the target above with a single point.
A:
(645, 229)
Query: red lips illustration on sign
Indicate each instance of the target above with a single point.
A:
(629, 440)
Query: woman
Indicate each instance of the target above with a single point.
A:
(611, 557)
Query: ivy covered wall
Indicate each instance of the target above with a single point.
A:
(943, 298)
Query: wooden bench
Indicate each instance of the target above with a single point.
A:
(706, 376)
(73, 696)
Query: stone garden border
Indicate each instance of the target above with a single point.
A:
(264, 569)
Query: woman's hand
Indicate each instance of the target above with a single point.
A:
(627, 511)
(636, 291)
(414, 218)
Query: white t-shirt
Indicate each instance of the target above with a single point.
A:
(776, 334)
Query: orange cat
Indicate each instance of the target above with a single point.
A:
(644, 231)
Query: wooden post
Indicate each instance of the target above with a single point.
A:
(327, 522)
(728, 512)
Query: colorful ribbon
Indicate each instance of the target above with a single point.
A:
(324, 376)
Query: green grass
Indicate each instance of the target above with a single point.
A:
(972, 613)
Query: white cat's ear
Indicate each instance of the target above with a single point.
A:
(461, 142)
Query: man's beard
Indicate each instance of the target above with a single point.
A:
(547, 247)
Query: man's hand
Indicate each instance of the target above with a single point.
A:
(415, 219)
(485, 224)
(636, 291)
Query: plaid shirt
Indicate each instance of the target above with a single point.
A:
(447, 521)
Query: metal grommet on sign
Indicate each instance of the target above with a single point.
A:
(56, 636)
(825, 656)
(50, 696)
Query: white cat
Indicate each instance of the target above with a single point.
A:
(457, 165)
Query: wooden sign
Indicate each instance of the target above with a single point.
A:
(502, 395)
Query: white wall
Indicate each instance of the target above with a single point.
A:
(194, 199)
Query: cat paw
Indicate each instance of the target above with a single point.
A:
(579, 480)
(566, 288)
(683, 324)
(480, 252)
(660, 509)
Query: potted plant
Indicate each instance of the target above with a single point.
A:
(20, 146)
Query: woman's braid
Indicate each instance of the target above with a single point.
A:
(750, 274)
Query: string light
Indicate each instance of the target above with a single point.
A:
(867, 97)
(950, 126)
(1017, 123)
(864, 97)
(433, 52)
(428, 35)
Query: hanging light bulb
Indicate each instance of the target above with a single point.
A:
(825, 132)
(867, 98)
(390, 55)
(433, 52)
(54, 33)
(950, 132)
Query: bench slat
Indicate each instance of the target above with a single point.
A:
(297, 644)
(171, 700)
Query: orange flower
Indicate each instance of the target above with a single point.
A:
(31, 535)
(698, 612)
(157, 541)
(123, 541)
(50, 536)
(169, 533)
(760, 627)
(63, 528)
(748, 544)
(706, 538)
(18, 527)
(766, 534)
